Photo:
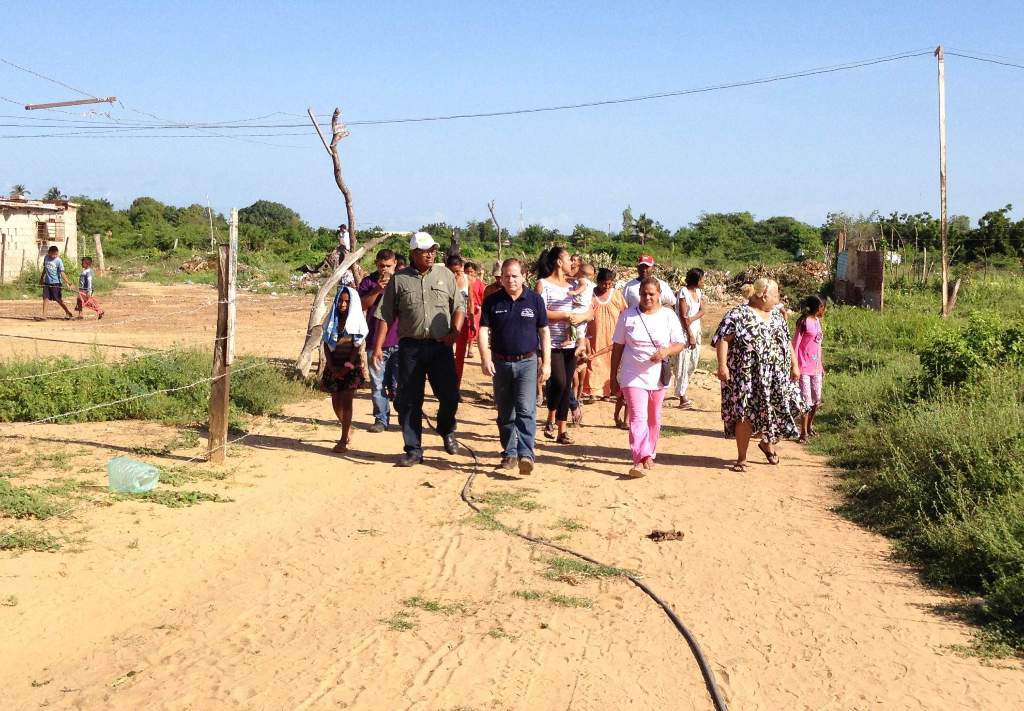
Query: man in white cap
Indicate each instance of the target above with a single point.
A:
(429, 308)
(632, 289)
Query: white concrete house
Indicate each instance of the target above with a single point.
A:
(29, 227)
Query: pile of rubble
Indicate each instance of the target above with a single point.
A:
(796, 279)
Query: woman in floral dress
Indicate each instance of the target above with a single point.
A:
(759, 373)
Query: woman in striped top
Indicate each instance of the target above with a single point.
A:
(554, 286)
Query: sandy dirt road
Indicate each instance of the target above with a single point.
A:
(287, 597)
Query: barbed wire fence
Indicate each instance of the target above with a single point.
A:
(218, 439)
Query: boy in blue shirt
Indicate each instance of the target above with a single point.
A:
(51, 279)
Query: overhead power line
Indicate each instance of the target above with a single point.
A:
(49, 79)
(1001, 62)
(160, 127)
(248, 124)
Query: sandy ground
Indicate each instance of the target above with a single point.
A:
(286, 597)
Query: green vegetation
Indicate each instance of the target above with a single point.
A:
(24, 502)
(927, 417)
(555, 598)
(257, 388)
(174, 498)
(14, 539)
(27, 284)
(401, 621)
(571, 569)
(181, 475)
(435, 605)
(570, 524)
(511, 499)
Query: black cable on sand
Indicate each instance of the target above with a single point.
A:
(714, 692)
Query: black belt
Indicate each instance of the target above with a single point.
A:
(513, 358)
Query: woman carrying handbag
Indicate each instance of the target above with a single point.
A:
(646, 336)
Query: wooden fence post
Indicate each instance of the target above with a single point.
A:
(99, 253)
(223, 347)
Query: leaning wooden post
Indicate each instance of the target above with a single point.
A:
(224, 346)
(318, 312)
(100, 263)
(494, 219)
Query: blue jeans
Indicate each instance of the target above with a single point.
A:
(515, 395)
(382, 385)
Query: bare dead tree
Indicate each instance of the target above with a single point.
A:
(318, 312)
(494, 219)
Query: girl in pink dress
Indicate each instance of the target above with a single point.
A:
(807, 345)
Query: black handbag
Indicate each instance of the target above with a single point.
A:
(666, 367)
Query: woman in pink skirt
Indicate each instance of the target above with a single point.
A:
(646, 336)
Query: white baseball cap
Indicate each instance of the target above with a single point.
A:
(422, 240)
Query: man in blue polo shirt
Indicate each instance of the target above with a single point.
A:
(513, 328)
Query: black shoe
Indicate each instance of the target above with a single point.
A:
(507, 463)
(450, 445)
(410, 460)
(377, 427)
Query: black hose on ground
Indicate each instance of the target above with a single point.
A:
(705, 669)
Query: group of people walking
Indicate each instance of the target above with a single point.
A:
(574, 337)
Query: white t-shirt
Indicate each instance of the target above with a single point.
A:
(637, 370)
(692, 305)
(632, 293)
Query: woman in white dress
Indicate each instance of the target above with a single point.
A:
(691, 310)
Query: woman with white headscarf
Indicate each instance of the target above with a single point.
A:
(345, 369)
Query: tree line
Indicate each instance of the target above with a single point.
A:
(718, 239)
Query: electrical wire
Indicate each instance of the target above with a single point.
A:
(49, 79)
(1004, 63)
(521, 111)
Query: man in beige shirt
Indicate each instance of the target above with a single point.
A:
(429, 308)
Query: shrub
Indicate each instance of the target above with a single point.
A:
(257, 390)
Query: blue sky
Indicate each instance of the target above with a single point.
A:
(856, 141)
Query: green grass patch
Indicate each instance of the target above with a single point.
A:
(487, 520)
(174, 499)
(926, 416)
(566, 569)
(555, 598)
(436, 606)
(500, 633)
(521, 499)
(25, 502)
(14, 539)
(570, 524)
(401, 621)
(257, 388)
(184, 474)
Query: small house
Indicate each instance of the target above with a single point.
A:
(29, 227)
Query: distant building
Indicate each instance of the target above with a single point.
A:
(29, 227)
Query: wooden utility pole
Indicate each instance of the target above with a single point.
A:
(209, 213)
(72, 102)
(943, 214)
(99, 252)
(494, 219)
(224, 346)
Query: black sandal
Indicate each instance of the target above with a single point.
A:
(739, 467)
(772, 457)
